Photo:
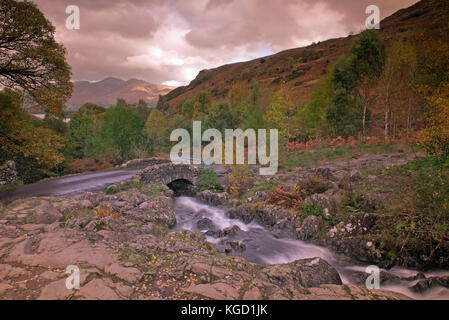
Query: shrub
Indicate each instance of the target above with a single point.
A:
(416, 222)
(311, 209)
(106, 211)
(208, 181)
(241, 180)
(285, 198)
(311, 185)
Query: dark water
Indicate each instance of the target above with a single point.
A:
(263, 248)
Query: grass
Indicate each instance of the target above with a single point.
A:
(263, 186)
(11, 185)
(415, 220)
(151, 190)
(156, 189)
(317, 156)
(310, 209)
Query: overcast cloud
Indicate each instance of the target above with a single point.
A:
(170, 41)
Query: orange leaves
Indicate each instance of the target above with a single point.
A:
(106, 211)
(286, 199)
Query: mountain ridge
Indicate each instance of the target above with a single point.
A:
(105, 92)
(297, 69)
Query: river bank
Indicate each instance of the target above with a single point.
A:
(130, 242)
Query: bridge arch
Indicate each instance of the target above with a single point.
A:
(170, 174)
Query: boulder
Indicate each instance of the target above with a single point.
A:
(425, 284)
(213, 198)
(228, 232)
(236, 246)
(305, 273)
(310, 227)
(44, 213)
(157, 210)
(205, 224)
(244, 214)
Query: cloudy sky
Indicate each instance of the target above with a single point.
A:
(170, 41)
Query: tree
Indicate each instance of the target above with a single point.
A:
(367, 63)
(397, 85)
(238, 97)
(221, 117)
(310, 117)
(253, 114)
(30, 58)
(122, 129)
(354, 76)
(280, 112)
(84, 127)
(21, 138)
(142, 109)
(157, 127)
(432, 82)
(187, 108)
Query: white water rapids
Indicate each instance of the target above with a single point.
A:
(263, 248)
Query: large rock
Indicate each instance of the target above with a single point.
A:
(310, 227)
(278, 220)
(157, 210)
(213, 198)
(306, 273)
(205, 224)
(244, 214)
(44, 213)
(425, 284)
(228, 232)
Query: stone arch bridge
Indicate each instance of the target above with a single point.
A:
(176, 175)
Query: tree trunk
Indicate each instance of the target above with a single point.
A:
(364, 121)
(409, 111)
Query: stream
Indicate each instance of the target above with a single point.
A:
(256, 244)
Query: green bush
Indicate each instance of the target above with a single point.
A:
(208, 181)
(311, 209)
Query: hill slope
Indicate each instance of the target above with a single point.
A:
(300, 68)
(107, 91)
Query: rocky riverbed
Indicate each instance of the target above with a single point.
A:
(124, 248)
(127, 244)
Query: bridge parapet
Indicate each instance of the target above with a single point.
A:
(166, 173)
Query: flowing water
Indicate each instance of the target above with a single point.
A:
(263, 248)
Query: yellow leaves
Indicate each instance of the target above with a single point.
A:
(237, 94)
(241, 180)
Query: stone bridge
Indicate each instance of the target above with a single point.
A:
(168, 173)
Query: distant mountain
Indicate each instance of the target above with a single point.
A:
(107, 91)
